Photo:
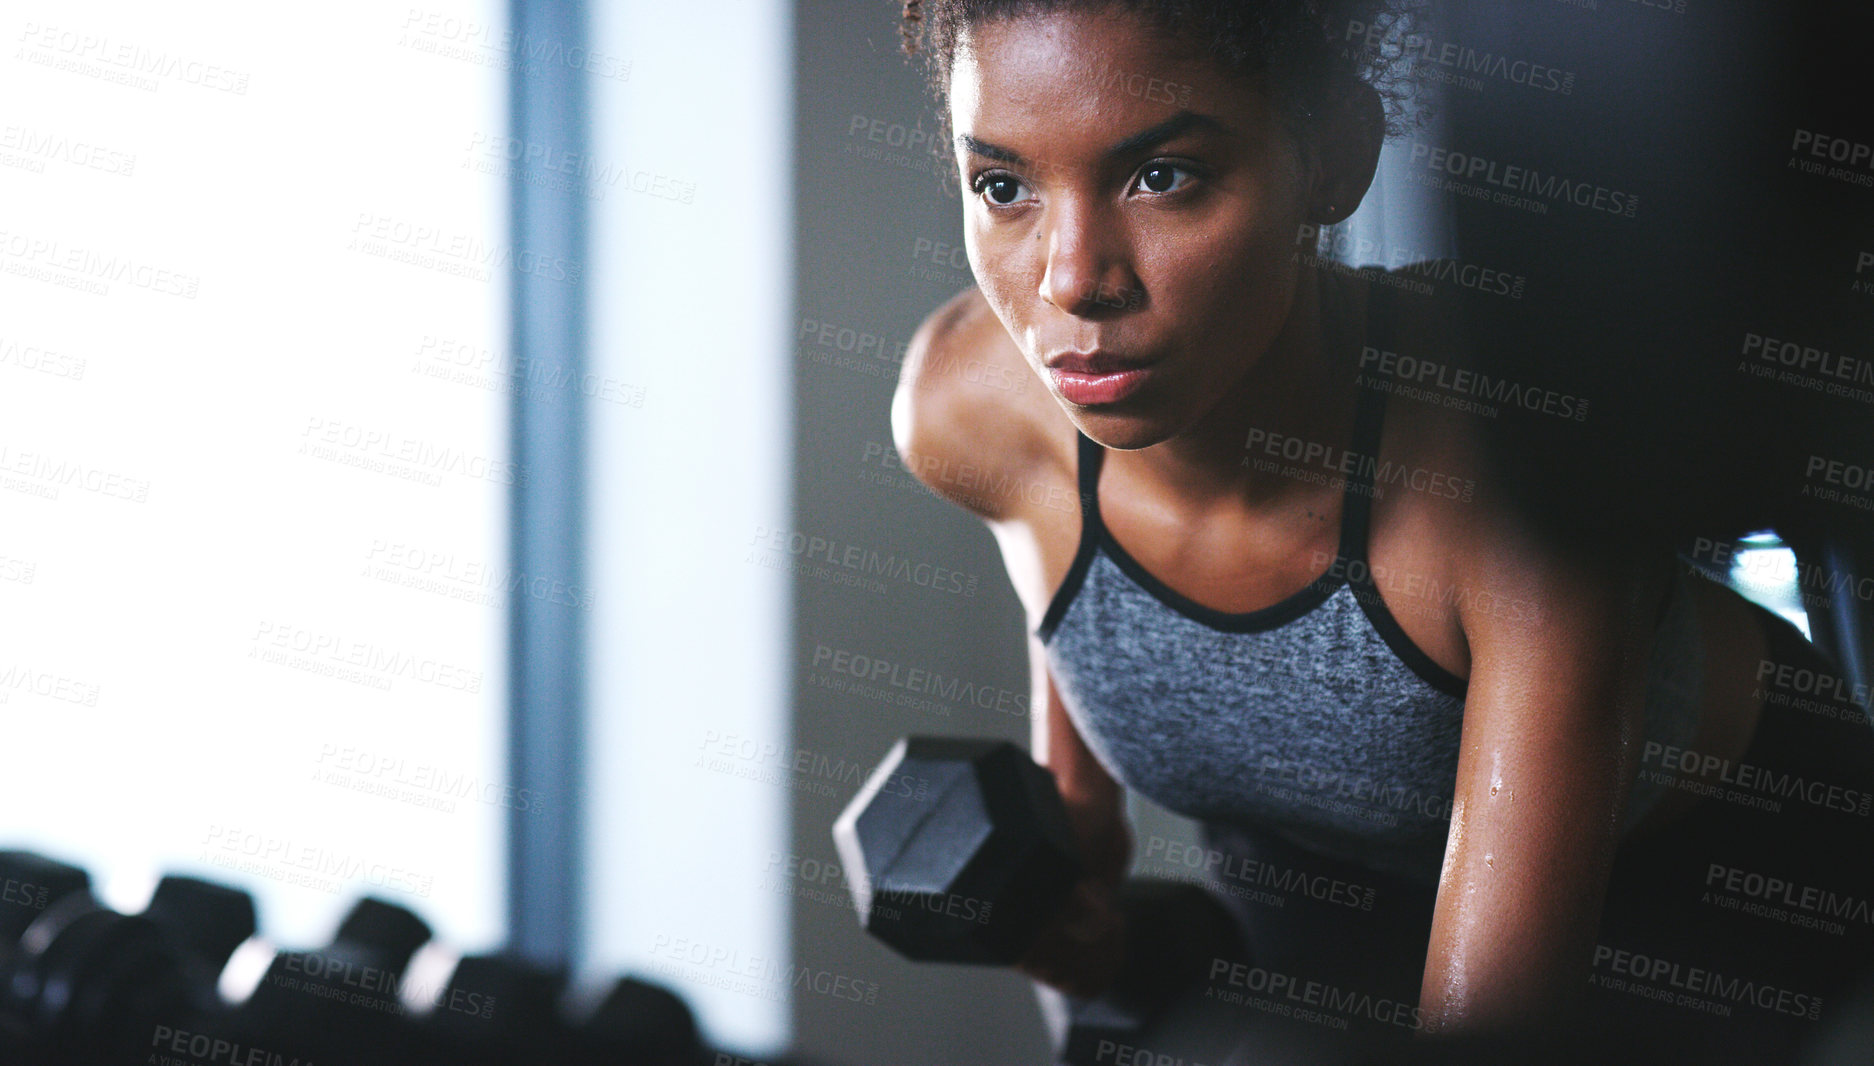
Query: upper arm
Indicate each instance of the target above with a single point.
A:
(959, 415)
(1095, 802)
(963, 425)
(1548, 752)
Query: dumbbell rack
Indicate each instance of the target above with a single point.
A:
(82, 985)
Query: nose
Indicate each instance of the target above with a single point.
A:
(1087, 274)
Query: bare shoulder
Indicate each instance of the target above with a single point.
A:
(1430, 427)
(1439, 534)
(971, 420)
(1517, 577)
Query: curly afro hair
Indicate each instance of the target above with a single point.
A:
(1309, 50)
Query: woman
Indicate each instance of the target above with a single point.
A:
(1302, 612)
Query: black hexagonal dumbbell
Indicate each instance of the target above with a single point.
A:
(494, 1009)
(208, 921)
(342, 1002)
(639, 1023)
(79, 982)
(960, 850)
(957, 850)
(29, 883)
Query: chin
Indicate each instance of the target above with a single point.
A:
(1122, 432)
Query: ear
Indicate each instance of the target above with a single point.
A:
(1345, 140)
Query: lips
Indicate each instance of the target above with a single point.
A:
(1090, 379)
(1096, 362)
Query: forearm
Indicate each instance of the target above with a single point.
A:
(1095, 802)
(1534, 829)
(1489, 972)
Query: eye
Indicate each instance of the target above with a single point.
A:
(1001, 189)
(1163, 178)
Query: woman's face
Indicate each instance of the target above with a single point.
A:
(1127, 204)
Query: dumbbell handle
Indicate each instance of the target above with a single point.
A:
(1175, 934)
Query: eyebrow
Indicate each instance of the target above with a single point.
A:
(1181, 123)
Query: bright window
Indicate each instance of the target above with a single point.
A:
(252, 458)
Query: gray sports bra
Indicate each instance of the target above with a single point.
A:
(1315, 718)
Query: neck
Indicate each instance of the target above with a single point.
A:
(1302, 388)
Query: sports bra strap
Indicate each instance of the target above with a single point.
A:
(1088, 462)
(1369, 415)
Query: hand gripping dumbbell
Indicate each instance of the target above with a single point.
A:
(960, 850)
